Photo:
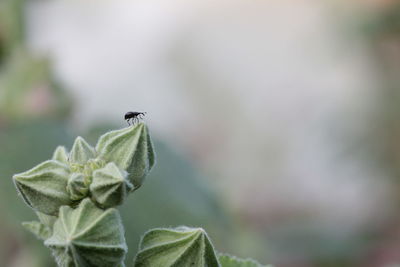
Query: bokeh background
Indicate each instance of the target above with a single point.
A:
(276, 122)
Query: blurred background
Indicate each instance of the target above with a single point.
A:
(276, 123)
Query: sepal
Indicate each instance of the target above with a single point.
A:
(61, 154)
(81, 151)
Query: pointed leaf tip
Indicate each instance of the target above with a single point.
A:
(61, 154)
(81, 151)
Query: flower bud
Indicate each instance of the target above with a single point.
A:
(76, 186)
(110, 186)
(130, 149)
(88, 236)
(61, 154)
(43, 187)
(81, 151)
(182, 246)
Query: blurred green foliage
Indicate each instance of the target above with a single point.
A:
(27, 86)
(11, 27)
(28, 90)
(382, 33)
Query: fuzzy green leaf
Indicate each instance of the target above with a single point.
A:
(81, 151)
(88, 237)
(130, 149)
(61, 154)
(40, 230)
(231, 261)
(43, 187)
(110, 187)
(182, 246)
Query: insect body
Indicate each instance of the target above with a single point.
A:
(133, 116)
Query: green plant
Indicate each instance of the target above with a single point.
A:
(184, 246)
(75, 194)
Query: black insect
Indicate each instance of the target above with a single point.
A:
(133, 116)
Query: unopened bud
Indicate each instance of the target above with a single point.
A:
(182, 246)
(76, 187)
(43, 187)
(130, 149)
(110, 187)
(88, 236)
